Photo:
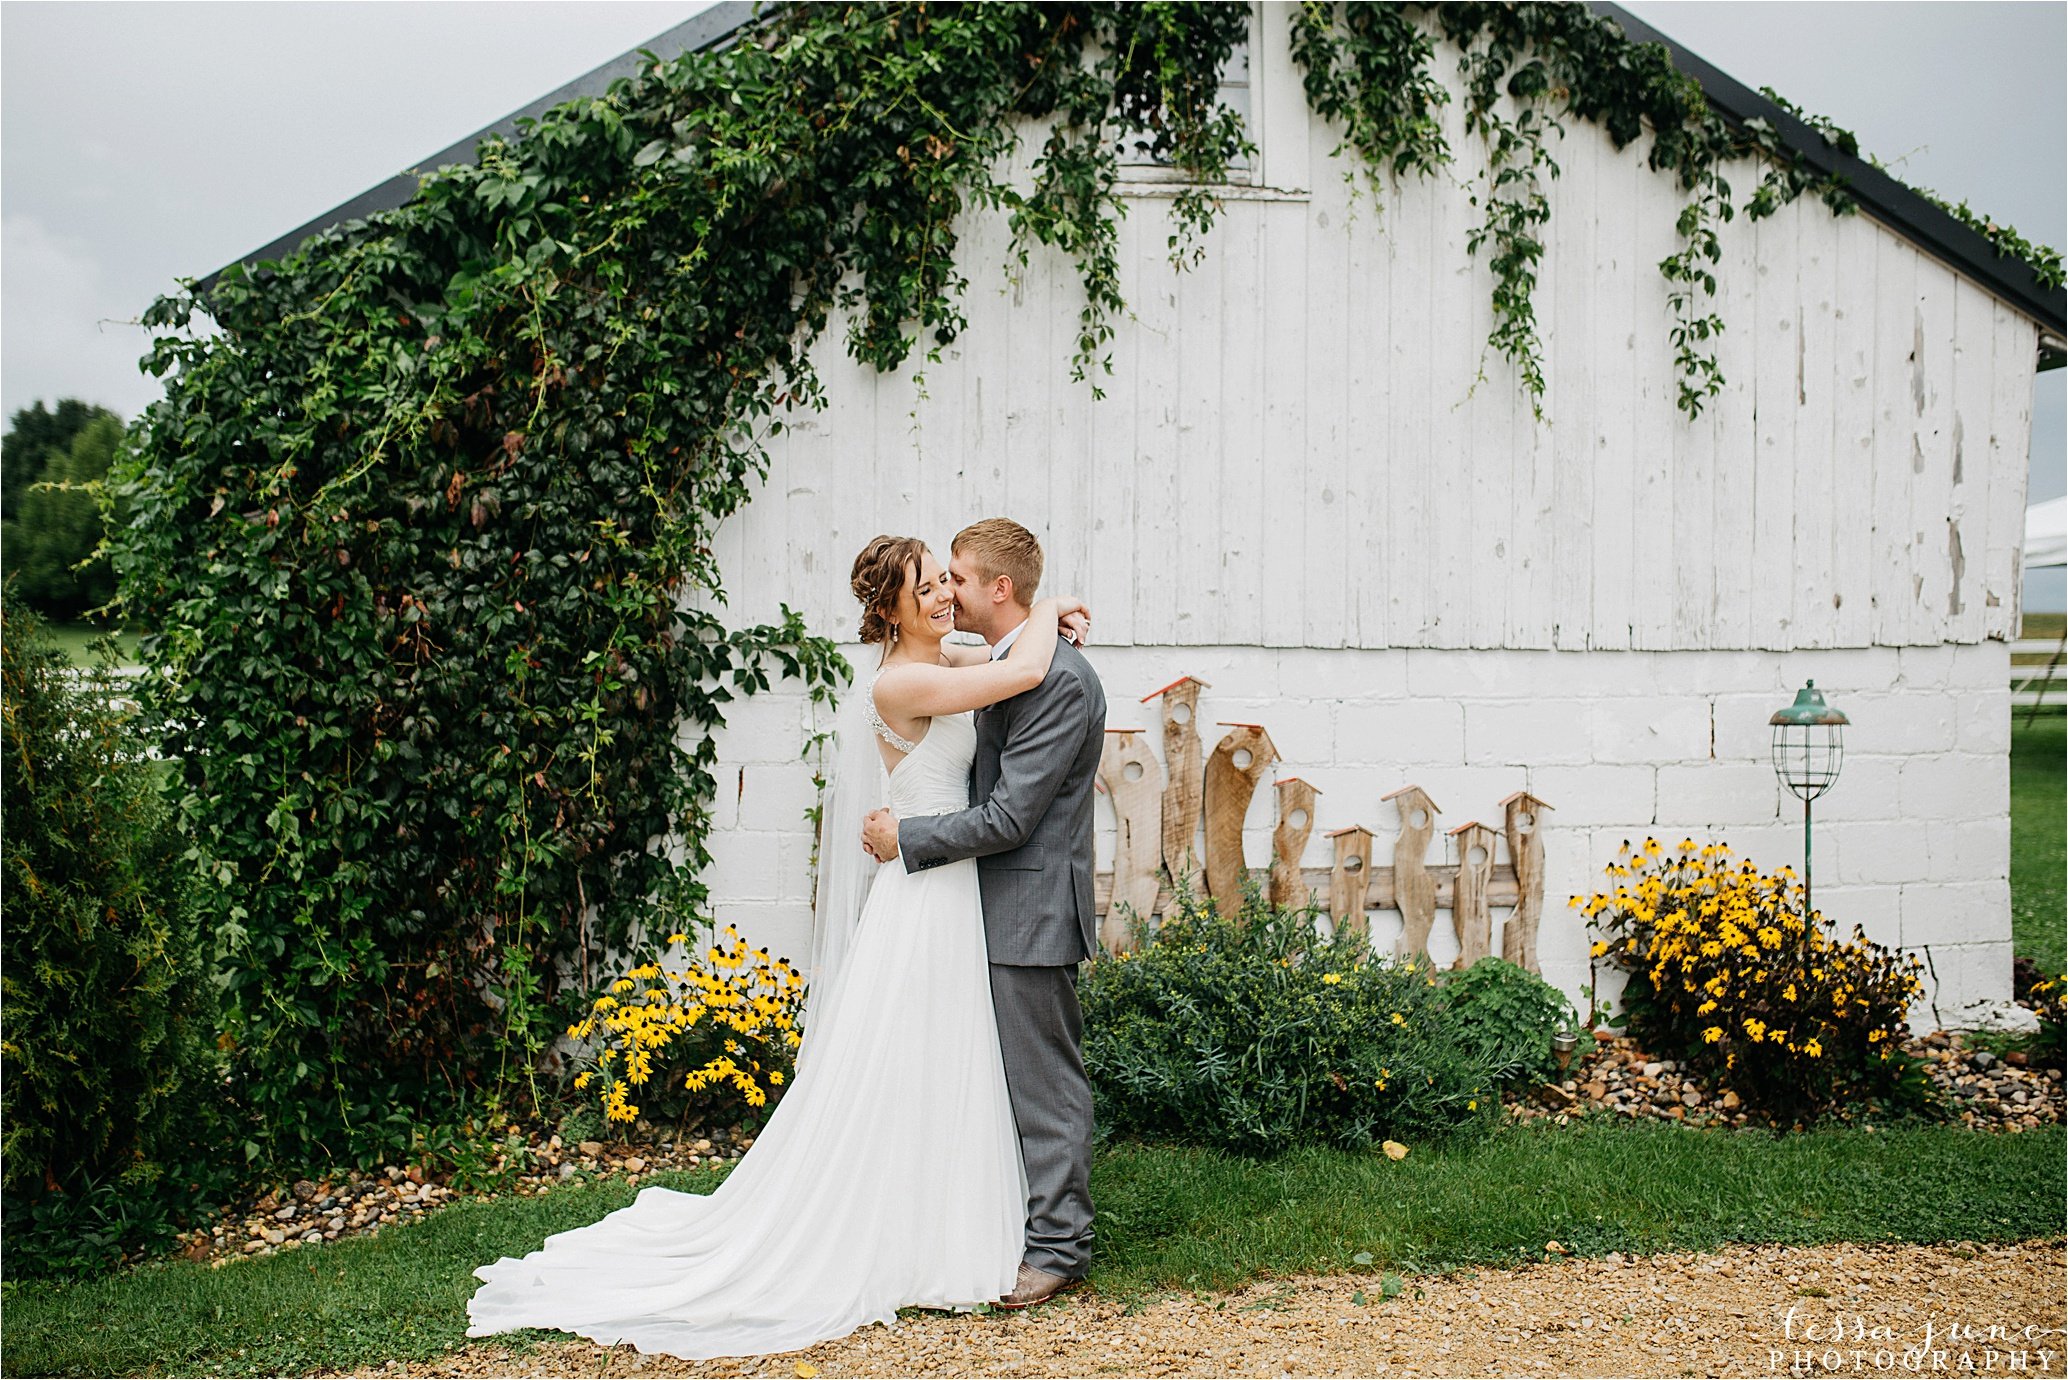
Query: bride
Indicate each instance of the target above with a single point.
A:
(890, 1174)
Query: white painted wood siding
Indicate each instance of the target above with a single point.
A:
(1293, 452)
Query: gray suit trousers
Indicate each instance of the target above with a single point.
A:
(1041, 1033)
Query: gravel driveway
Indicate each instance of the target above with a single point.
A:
(1961, 1310)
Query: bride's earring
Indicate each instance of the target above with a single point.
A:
(893, 634)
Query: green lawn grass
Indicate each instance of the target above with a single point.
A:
(2038, 626)
(1167, 1218)
(74, 638)
(2039, 821)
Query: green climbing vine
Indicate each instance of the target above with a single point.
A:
(2043, 260)
(1495, 63)
(1522, 67)
(423, 527)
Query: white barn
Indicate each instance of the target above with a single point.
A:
(1294, 492)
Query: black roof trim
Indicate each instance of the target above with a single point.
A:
(711, 28)
(1879, 195)
(1906, 212)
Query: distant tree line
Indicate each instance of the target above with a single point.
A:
(51, 466)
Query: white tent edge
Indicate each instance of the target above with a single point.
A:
(2046, 533)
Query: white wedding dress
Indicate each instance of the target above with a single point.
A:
(889, 1175)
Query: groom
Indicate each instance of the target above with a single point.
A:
(1030, 832)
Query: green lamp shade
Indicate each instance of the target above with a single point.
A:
(1809, 743)
(1809, 708)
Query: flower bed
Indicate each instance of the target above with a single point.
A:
(1728, 973)
(1969, 1082)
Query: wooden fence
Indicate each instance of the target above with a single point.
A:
(2039, 671)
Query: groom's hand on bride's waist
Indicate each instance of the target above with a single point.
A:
(880, 835)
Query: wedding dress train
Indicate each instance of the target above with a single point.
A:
(889, 1175)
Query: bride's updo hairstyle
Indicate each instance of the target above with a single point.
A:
(879, 577)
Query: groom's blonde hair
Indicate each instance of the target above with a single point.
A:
(1000, 546)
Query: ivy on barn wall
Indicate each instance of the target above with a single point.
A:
(424, 528)
(1522, 68)
(2043, 260)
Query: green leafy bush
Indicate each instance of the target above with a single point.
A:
(1725, 969)
(424, 525)
(1251, 1033)
(1510, 1014)
(470, 1156)
(54, 527)
(110, 1084)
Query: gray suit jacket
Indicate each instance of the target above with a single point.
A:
(1029, 821)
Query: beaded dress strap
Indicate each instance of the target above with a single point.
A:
(883, 730)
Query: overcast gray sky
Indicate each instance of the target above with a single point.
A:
(144, 142)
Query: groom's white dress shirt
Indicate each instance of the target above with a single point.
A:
(1004, 644)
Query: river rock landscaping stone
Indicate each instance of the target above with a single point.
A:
(1622, 1079)
(355, 1204)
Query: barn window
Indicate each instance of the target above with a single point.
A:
(1139, 160)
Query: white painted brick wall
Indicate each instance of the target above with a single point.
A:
(1949, 914)
(1869, 788)
(1925, 667)
(1656, 729)
(1869, 852)
(1378, 733)
(1526, 733)
(775, 796)
(1955, 786)
(1912, 843)
(1587, 795)
(746, 866)
(1984, 722)
(1972, 848)
(1901, 721)
(1722, 794)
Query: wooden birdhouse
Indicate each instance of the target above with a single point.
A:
(1414, 889)
(1523, 824)
(1468, 908)
(1350, 879)
(1130, 773)
(1183, 777)
(1238, 762)
(1289, 841)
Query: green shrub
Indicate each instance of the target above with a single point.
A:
(112, 1085)
(1509, 1014)
(1725, 970)
(470, 1155)
(1252, 1034)
(55, 525)
(582, 1121)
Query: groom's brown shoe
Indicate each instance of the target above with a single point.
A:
(1036, 1286)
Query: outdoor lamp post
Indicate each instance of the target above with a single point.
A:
(1809, 747)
